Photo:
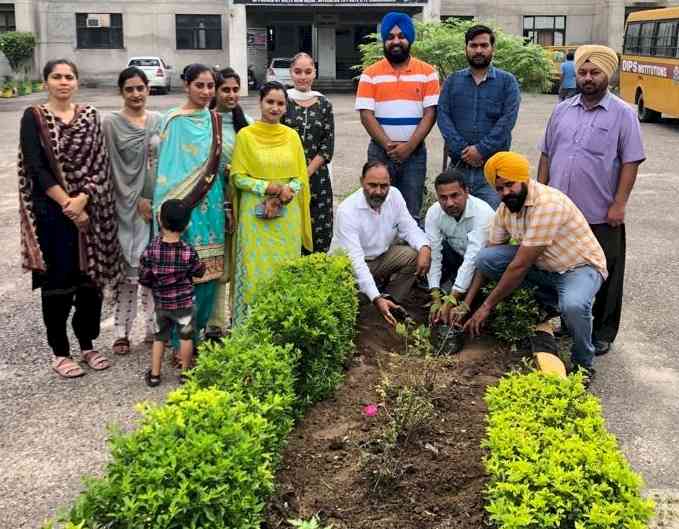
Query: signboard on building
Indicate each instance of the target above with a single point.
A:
(326, 2)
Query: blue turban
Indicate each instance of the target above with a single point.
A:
(402, 20)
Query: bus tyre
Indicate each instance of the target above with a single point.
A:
(646, 115)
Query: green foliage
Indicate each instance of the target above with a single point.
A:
(552, 464)
(442, 45)
(200, 460)
(206, 457)
(312, 304)
(416, 338)
(18, 47)
(515, 317)
(262, 373)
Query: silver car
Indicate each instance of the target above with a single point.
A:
(279, 70)
(156, 70)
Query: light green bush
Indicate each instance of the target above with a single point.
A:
(312, 304)
(260, 372)
(552, 464)
(197, 461)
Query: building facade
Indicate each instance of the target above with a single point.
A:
(100, 36)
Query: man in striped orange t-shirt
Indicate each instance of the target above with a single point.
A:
(397, 99)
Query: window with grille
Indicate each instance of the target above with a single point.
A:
(7, 20)
(199, 32)
(99, 30)
(632, 38)
(666, 39)
(545, 30)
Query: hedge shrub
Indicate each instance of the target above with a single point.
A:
(552, 464)
(312, 303)
(261, 372)
(200, 460)
(205, 459)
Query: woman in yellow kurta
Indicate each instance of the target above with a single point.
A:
(271, 198)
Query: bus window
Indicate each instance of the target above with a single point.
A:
(632, 38)
(646, 39)
(666, 40)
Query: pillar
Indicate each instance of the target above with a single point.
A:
(237, 34)
(431, 12)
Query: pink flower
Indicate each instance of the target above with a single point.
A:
(370, 410)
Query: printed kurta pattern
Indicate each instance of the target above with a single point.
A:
(316, 128)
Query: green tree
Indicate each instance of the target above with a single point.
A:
(442, 45)
(18, 47)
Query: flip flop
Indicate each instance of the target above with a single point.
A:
(95, 360)
(121, 346)
(67, 368)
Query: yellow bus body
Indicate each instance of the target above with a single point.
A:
(649, 69)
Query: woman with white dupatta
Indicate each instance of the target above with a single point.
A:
(310, 113)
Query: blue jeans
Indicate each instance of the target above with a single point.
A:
(478, 185)
(408, 177)
(571, 292)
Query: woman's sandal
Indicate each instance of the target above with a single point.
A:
(151, 380)
(67, 368)
(121, 346)
(95, 360)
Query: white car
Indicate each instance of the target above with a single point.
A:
(156, 70)
(279, 70)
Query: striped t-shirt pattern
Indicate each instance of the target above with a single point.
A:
(398, 98)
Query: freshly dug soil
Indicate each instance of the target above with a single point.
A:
(324, 471)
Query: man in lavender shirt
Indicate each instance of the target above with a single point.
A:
(591, 151)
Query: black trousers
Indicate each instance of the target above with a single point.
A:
(608, 302)
(450, 264)
(56, 308)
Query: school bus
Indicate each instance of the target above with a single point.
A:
(649, 73)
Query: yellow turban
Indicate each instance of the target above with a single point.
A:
(602, 56)
(507, 165)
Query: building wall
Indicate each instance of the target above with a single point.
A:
(588, 21)
(148, 29)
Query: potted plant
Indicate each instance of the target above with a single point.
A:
(18, 48)
(8, 88)
(25, 88)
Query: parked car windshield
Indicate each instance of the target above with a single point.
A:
(144, 62)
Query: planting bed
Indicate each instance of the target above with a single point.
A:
(324, 470)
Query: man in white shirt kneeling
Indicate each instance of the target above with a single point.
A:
(457, 227)
(367, 225)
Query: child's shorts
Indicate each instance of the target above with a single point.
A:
(184, 319)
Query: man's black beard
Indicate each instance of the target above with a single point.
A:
(399, 57)
(479, 65)
(514, 203)
(598, 95)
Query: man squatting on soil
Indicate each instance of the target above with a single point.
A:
(367, 225)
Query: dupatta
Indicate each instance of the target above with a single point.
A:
(79, 162)
(188, 166)
(260, 136)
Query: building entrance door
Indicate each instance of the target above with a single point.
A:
(326, 54)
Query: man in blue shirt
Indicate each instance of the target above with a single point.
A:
(567, 88)
(477, 111)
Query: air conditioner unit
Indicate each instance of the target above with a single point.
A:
(95, 20)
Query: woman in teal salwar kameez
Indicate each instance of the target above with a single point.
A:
(227, 97)
(188, 169)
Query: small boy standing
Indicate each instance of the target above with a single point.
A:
(168, 266)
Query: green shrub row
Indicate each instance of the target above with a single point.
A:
(206, 457)
(552, 463)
